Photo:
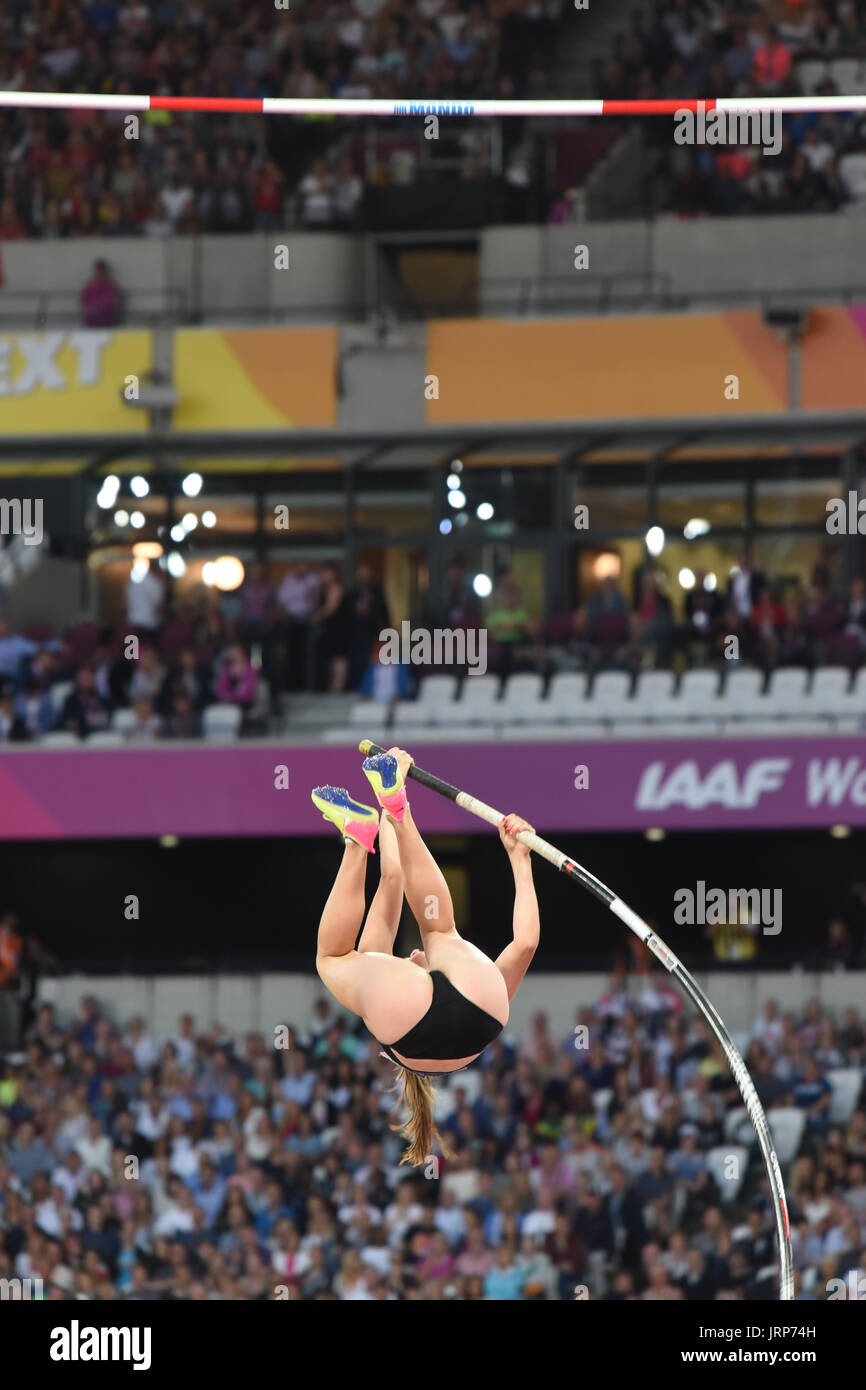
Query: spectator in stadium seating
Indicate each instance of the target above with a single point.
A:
(14, 651)
(367, 613)
(35, 710)
(505, 1280)
(508, 622)
(183, 720)
(144, 602)
(813, 1093)
(238, 682)
(768, 625)
(772, 60)
(332, 632)
(299, 597)
(348, 190)
(384, 680)
(12, 227)
(146, 724)
(84, 710)
(148, 676)
(317, 196)
(100, 298)
(12, 727)
(652, 620)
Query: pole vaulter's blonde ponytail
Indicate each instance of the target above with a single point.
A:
(419, 1128)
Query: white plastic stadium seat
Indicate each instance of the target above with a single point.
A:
(718, 1162)
(411, 714)
(846, 1083)
(521, 698)
(60, 740)
(741, 695)
(107, 738)
(698, 695)
(828, 691)
(221, 723)
(654, 696)
(786, 693)
(846, 73)
(811, 73)
(566, 697)
(433, 705)
(122, 720)
(609, 697)
(368, 712)
(477, 703)
(437, 695)
(786, 1126)
(853, 703)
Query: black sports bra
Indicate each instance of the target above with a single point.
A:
(452, 1027)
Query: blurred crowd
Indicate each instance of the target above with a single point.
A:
(309, 630)
(80, 173)
(165, 664)
(657, 623)
(206, 1166)
(702, 48)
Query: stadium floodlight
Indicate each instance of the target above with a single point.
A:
(456, 498)
(710, 582)
(445, 527)
(189, 521)
(178, 533)
(686, 578)
(483, 585)
(121, 517)
(192, 484)
(176, 565)
(139, 487)
(695, 527)
(137, 519)
(453, 481)
(209, 518)
(484, 511)
(107, 495)
(655, 540)
(228, 573)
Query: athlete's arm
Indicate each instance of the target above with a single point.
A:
(516, 958)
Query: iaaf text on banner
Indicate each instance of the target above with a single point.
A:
(258, 789)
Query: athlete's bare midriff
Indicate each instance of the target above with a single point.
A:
(435, 1064)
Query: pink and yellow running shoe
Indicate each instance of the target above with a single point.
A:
(354, 821)
(386, 779)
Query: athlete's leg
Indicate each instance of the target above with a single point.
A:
(344, 911)
(383, 919)
(389, 994)
(426, 890)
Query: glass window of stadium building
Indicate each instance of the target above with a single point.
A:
(555, 527)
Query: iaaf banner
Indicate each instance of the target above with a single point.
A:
(264, 788)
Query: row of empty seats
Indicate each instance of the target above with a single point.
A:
(791, 701)
(848, 74)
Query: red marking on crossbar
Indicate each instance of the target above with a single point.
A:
(656, 108)
(206, 104)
